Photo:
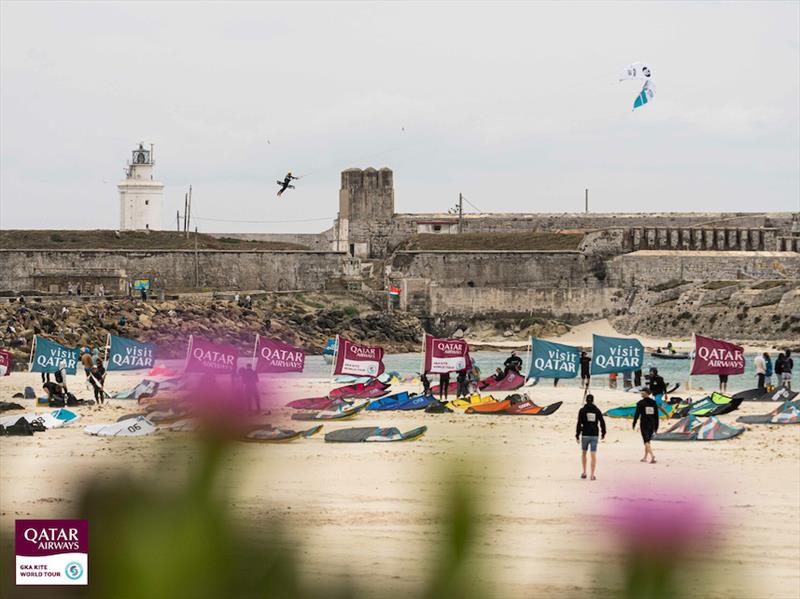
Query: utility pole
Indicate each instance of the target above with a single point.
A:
(178, 220)
(586, 201)
(460, 213)
(189, 213)
(196, 262)
(185, 209)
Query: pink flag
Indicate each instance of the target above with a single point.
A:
(212, 358)
(713, 356)
(6, 360)
(276, 356)
(445, 355)
(358, 360)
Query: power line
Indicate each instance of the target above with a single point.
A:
(473, 205)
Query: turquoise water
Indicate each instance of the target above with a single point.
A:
(673, 371)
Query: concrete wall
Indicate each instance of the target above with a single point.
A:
(175, 269)
(566, 303)
(501, 268)
(318, 242)
(649, 267)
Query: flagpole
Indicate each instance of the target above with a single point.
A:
(255, 350)
(33, 353)
(107, 348)
(335, 357)
(528, 358)
(188, 353)
(422, 360)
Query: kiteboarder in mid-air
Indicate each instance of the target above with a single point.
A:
(286, 183)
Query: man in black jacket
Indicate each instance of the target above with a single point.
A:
(647, 414)
(586, 432)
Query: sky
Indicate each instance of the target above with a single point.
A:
(516, 105)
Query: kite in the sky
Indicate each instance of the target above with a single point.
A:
(640, 71)
(286, 183)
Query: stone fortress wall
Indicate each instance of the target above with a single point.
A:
(365, 248)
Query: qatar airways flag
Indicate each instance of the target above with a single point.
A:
(445, 355)
(276, 356)
(210, 358)
(358, 360)
(714, 356)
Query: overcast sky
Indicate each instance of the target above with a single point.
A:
(515, 105)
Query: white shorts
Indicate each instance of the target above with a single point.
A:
(786, 377)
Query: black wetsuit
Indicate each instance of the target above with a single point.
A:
(657, 385)
(589, 417)
(444, 384)
(287, 180)
(462, 390)
(586, 368)
(97, 378)
(513, 363)
(647, 414)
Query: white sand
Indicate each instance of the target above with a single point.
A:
(373, 509)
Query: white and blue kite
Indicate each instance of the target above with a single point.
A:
(641, 72)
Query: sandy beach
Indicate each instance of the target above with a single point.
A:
(355, 508)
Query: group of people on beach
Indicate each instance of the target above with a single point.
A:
(56, 389)
(782, 370)
(591, 427)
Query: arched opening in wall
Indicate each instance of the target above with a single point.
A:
(470, 283)
(283, 285)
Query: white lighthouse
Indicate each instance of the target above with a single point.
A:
(140, 197)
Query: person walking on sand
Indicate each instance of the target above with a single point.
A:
(587, 433)
(647, 415)
(586, 372)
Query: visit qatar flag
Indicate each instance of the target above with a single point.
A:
(276, 356)
(445, 355)
(359, 360)
(714, 356)
(210, 358)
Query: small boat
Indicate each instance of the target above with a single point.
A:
(677, 355)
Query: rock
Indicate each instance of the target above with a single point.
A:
(458, 334)
(508, 333)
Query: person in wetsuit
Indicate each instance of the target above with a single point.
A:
(656, 384)
(513, 362)
(647, 416)
(97, 378)
(587, 433)
(462, 388)
(586, 371)
(286, 183)
(444, 384)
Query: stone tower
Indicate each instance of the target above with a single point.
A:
(366, 209)
(140, 197)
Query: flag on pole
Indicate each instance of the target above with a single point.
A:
(445, 355)
(359, 360)
(276, 356)
(714, 356)
(210, 358)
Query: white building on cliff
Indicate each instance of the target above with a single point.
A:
(140, 197)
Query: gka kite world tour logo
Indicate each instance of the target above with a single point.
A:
(52, 552)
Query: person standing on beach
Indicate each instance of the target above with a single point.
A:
(462, 389)
(657, 386)
(723, 383)
(586, 372)
(86, 360)
(444, 384)
(647, 415)
(97, 378)
(761, 369)
(586, 433)
(767, 371)
(249, 380)
(788, 364)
